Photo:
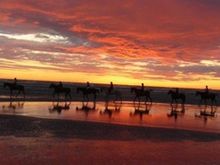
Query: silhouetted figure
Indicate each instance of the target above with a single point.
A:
(142, 86)
(87, 85)
(207, 89)
(177, 91)
(15, 81)
(60, 84)
(111, 88)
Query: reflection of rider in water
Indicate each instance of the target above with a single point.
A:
(111, 88)
(207, 89)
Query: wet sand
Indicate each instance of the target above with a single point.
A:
(29, 140)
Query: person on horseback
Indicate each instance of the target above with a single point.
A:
(15, 81)
(207, 89)
(142, 87)
(60, 84)
(87, 85)
(177, 91)
(111, 88)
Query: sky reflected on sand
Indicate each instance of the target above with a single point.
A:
(156, 115)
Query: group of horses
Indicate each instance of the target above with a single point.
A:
(115, 94)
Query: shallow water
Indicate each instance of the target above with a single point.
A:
(155, 115)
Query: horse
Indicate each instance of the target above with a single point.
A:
(116, 94)
(141, 93)
(15, 87)
(206, 96)
(177, 96)
(86, 91)
(59, 90)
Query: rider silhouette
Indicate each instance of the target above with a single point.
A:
(142, 86)
(111, 88)
(15, 81)
(177, 91)
(207, 89)
(60, 84)
(87, 85)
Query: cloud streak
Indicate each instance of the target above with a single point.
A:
(171, 40)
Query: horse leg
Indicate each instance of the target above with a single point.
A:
(70, 96)
(18, 93)
(135, 99)
(171, 103)
(10, 94)
(84, 97)
(95, 97)
(150, 100)
(23, 94)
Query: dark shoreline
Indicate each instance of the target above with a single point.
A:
(22, 126)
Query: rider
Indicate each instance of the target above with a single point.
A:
(87, 85)
(60, 84)
(111, 87)
(142, 86)
(207, 89)
(15, 81)
(177, 91)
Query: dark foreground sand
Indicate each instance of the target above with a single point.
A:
(27, 140)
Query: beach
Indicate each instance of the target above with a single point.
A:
(42, 141)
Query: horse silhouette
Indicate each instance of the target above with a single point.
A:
(60, 90)
(177, 96)
(15, 87)
(206, 96)
(114, 94)
(86, 91)
(141, 93)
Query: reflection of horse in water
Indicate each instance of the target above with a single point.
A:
(114, 95)
(207, 114)
(141, 93)
(204, 97)
(14, 105)
(86, 91)
(59, 107)
(15, 87)
(176, 112)
(177, 96)
(58, 90)
(86, 106)
(111, 109)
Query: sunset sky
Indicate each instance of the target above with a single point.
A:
(172, 43)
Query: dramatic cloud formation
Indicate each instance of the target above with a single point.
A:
(168, 43)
